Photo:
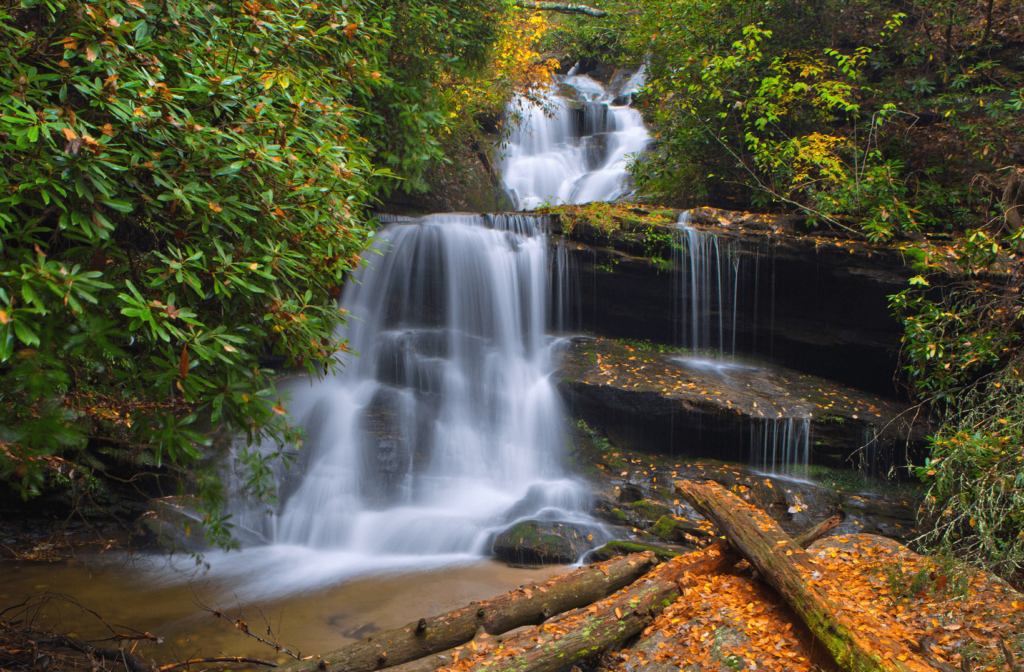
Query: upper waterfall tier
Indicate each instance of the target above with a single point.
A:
(576, 146)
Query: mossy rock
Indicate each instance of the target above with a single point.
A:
(649, 510)
(610, 513)
(678, 531)
(616, 549)
(541, 543)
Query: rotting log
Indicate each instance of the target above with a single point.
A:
(857, 645)
(561, 8)
(582, 633)
(530, 604)
(650, 643)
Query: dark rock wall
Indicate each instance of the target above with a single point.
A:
(809, 309)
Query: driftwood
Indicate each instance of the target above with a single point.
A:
(579, 634)
(802, 583)
(561, 8)
(528, 605)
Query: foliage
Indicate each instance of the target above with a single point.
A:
(963, 354)
(183, 193)
(754, 104)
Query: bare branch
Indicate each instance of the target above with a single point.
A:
(217, 659)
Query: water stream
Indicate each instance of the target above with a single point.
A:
(448, 428)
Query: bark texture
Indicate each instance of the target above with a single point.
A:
(582, 633)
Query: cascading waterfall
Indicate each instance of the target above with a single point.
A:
(575, 149)
(448, 428)
(725, 299)
(711, 270)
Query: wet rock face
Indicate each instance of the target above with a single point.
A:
(813, 304)
(660, 401)
(535, 542)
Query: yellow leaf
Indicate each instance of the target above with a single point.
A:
(230, 349)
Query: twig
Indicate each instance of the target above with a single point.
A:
(1011, 661)
(217, 659)
(244, 627)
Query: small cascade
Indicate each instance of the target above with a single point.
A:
(566, 307)
(723, 285)
(576, 146)
(781, 445)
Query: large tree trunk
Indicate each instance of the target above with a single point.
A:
(809, 588)
(528, 605)
(579, 634)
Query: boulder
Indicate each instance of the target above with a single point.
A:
(533, 542)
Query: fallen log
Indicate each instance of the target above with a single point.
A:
(858, 645)
(561, 8)
(818, 531)
(525, 606)
(648, 646)
(579, 634)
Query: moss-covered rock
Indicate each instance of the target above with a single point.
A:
(533, 542)
(608, 512)
(650, 511)
(679, 530)
(615, 549)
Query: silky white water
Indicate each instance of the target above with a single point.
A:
(444, 432)
(575, 147)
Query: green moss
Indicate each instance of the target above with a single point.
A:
(664, 528)
(619, 515)
(614, 549)
(649, 510)
(917, 259)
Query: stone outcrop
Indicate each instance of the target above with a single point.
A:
(534, 542)
(813, 302)
(665, 402)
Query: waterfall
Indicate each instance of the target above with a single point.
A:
(707, 301)
(448, 428)
(781, 445)
(576, 145)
